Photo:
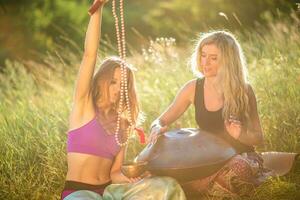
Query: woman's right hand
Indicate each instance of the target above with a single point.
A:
(156, 131)
(95, 6)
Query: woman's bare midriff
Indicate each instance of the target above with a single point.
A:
(88, 169)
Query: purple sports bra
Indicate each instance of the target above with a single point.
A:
(92, 139)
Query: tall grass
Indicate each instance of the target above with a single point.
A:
(36, 100)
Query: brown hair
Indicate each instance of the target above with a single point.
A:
(101, 82)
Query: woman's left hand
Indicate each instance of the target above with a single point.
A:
(136, 179)
(233, 127)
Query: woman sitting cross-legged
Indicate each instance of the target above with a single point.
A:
(225, 105)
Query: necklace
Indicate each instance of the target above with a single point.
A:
(124, 87)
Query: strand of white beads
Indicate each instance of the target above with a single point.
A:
(121, 42)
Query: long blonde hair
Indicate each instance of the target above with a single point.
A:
(102, 80)
(232, 74)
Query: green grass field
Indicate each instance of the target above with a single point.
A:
(35, 101)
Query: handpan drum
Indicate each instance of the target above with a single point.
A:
(186, 154)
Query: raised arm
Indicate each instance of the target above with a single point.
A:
(182, 101)
(86, 71)
(82, 110)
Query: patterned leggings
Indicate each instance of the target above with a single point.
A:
(238, 177)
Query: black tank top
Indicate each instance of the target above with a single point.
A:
(212, 121)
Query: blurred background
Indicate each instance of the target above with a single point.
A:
(31, 27)
(41, 46)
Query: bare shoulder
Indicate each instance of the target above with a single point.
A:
(190, 85)
(188, 90)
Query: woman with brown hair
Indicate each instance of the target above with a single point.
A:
(99, 126)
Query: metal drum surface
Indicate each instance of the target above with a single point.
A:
(186, 154)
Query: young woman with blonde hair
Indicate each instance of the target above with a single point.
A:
(225, 105)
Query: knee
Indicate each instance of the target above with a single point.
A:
(240, 166)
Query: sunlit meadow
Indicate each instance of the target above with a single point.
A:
(35, 100)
